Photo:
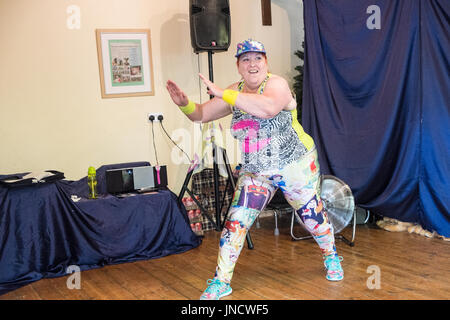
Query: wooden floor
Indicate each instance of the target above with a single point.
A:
(411, 267)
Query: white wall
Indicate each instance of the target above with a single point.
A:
(52, 115)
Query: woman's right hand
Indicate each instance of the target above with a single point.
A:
(177, 95)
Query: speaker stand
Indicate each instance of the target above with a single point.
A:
(218, 224)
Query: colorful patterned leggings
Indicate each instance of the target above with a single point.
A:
(300, 183)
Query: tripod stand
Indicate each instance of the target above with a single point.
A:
(218, 224)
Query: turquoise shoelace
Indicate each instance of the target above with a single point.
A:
(215, 286)
(333, 263)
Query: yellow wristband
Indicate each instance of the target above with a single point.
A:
(230, 96)
(189, 108)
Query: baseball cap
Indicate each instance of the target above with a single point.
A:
(249, 46)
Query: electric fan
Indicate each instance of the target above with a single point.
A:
(338, 201)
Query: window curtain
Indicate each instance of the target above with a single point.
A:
(376, 100)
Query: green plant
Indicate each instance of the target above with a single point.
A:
(298, 82)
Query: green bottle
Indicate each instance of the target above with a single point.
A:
(92, 183)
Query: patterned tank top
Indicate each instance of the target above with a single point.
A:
(269, 143)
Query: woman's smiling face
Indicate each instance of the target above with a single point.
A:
(252, 66)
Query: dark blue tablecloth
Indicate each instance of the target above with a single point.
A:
(43, 231)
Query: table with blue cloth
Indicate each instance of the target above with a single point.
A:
(47, 227)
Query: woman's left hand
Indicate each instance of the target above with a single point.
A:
(212, 88)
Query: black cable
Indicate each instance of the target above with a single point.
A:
(174, 141)
(154, 146)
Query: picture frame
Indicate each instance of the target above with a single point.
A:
(125, 62)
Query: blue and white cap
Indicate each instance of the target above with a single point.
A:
(249, 46)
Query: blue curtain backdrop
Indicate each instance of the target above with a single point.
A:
(376, 100)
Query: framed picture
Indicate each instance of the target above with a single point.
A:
(125, 62)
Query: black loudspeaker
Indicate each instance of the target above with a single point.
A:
(210, 25)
